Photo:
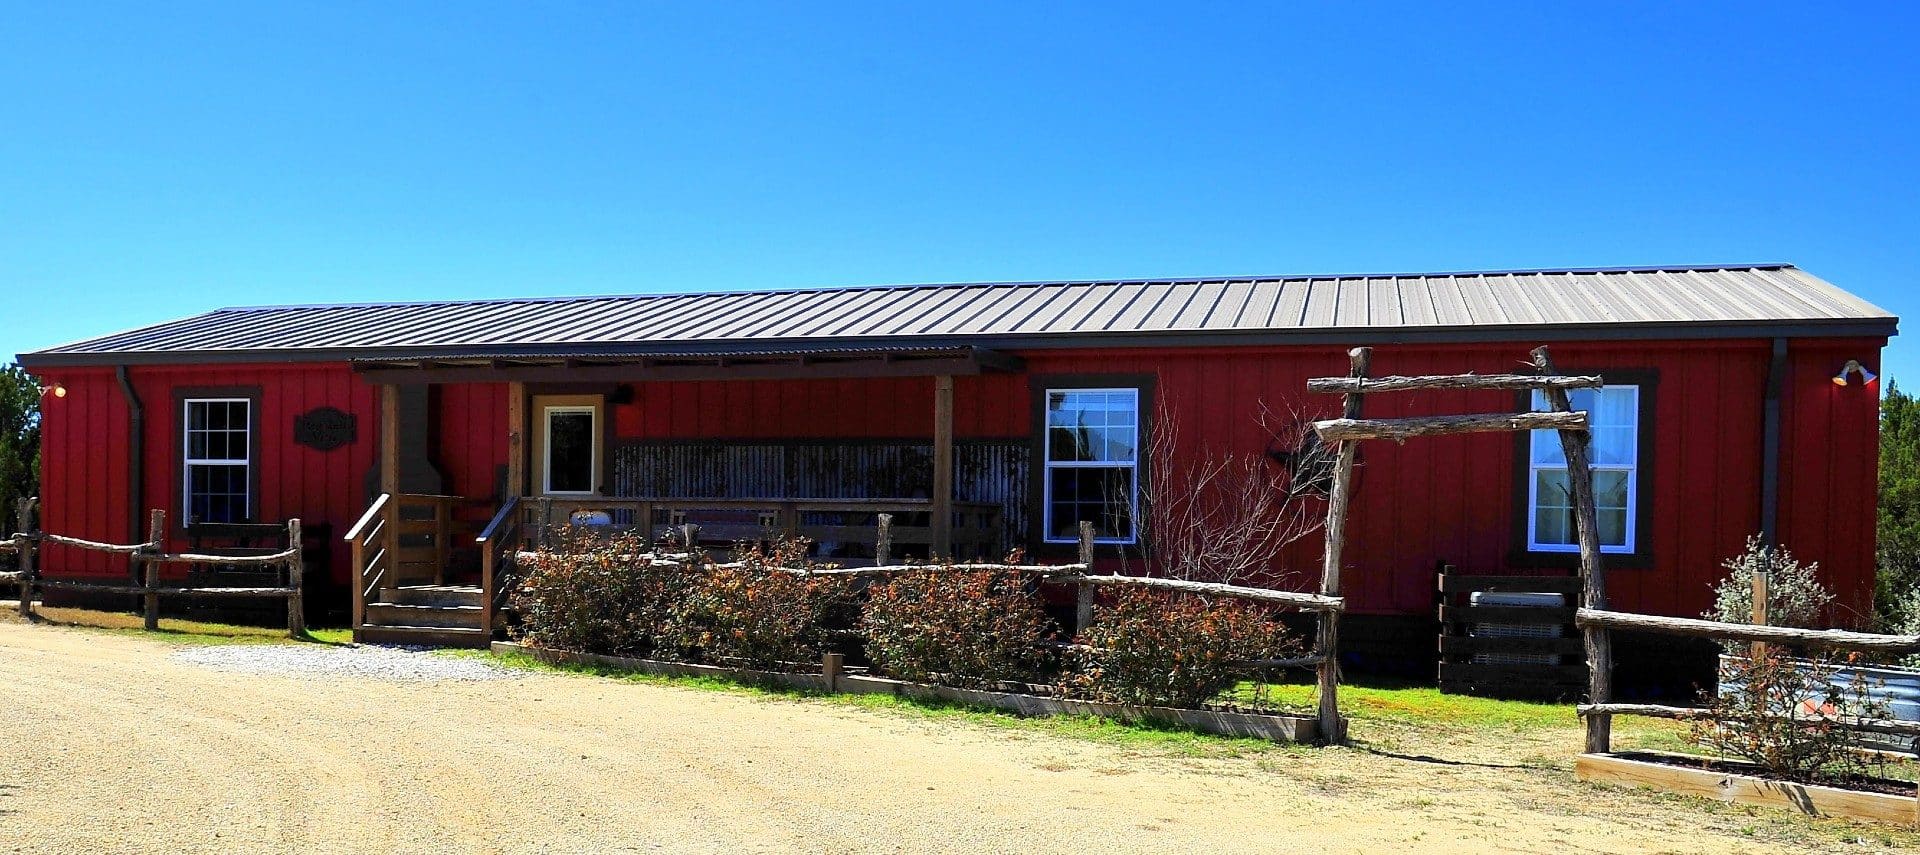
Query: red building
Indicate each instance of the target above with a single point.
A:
(816, 409)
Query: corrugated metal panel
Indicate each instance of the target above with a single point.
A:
(955, 314)
(983, 471)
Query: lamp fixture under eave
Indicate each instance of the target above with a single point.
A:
(1853, 366)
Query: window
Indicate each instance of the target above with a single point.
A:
(1613, 417)
(572, 454)
(218, 473)
(1092, 462)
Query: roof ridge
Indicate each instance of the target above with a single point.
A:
(1037, 283)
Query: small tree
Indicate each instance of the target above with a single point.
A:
(1225, 515)
(19, 439)
(1795, 596)
(1897, 535)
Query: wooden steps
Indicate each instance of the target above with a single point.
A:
(427, 615)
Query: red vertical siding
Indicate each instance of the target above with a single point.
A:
(1415, 504)
(1829, 462)
(85, 458)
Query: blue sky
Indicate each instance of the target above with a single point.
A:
(161, 159)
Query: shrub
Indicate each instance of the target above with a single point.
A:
(960, 628)
(1783, 715)
(757, 613)
(1176, 650)
(1903, 618)
(590, 592)
(1795, 596)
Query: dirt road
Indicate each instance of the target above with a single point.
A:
(115, 744)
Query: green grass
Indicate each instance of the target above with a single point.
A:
(1412, 704)
(1168, 739)
(178, 631)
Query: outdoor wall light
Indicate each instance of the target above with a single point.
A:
(56, 390)
(1854, 366)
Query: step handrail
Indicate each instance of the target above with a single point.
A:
(370, 529)
(499, 530)
(373, 511)
(500, 518)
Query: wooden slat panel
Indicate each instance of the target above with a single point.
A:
(1456, 645)
(1507, 614)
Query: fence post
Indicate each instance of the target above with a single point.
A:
(296, 572)
(883, 541)
(1083, 600)
(28, 547)
(546, 519)
(27, 544)
(1759, 649)
(150, 578)
(831, 665)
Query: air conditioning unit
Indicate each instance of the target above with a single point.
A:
(1517, 599)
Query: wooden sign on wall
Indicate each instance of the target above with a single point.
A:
(325, 428)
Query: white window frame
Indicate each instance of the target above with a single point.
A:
(1632, 469)
(188, 461)
(1048, 464)
(546, 448)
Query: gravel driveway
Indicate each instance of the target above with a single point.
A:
(122, 743)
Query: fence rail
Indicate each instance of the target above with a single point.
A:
(148, 558)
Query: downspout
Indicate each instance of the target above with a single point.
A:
(1770, 447)
(136, 454)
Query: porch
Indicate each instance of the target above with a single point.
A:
(429, 566)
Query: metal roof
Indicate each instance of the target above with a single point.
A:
(1638, 302)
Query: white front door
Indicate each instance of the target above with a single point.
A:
(567, 442)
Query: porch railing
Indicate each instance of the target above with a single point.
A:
(846, 523)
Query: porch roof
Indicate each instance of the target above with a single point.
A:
(729, 365)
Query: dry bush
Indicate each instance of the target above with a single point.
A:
(1219, 515)
(757, 613)
(960, 628)
(1154, 648)
(593, 593)
(1783, 715)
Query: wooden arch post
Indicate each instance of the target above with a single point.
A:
(1332, 727)
(1593, 582)
(1350, 429)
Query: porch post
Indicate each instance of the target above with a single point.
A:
(389, 483)
(516, 440)
(389, 439)
(942, 521)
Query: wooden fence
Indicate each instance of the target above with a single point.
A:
(1081, 576)
(147, 559)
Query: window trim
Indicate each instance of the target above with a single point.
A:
(181, 396)
(1633, 486)
(1039, 488)
(1521, 552)
(544, 406)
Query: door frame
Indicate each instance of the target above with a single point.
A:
(541, 406)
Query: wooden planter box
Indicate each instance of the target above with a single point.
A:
(1279, 728)
(1737, 788)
